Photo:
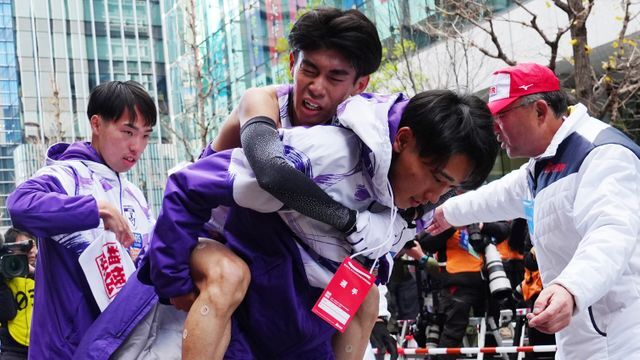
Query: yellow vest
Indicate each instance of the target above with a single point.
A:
(19, 327)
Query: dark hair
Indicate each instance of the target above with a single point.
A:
(11, 235)
(111, 99)
(348, 32)
(445, 123)
(557, 101)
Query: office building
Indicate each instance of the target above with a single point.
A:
(64, 48)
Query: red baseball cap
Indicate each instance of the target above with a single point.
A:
(509, 84)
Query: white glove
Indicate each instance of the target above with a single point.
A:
(372, 232)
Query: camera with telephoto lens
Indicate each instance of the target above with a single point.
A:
(499, 284)
(427, 329)
(13, 259)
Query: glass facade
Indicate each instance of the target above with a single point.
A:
(244, 41)
(63, 49)
(10, 124)
(52, 53)
(243, 44)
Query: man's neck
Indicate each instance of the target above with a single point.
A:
(552, 125)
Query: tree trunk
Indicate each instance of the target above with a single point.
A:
(582, 66)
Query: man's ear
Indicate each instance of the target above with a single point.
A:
(361, 84)
(542, 109)
(292, 62)
(96, 124)
(402, 140)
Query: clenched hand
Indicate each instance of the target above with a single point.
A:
(115, 222)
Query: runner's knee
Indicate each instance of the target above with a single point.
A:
(221, 277)
(226, 278)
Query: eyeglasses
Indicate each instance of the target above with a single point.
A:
(500, 116)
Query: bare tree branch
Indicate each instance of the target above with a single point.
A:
(474, 16)
(198, 74)
(563, 6)
(623, 65)
(183, 139)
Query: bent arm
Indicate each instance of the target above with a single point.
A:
(264, 151)
(254, 102)
(229, 134)
(257, 115)
(499, 200)
(42, 207)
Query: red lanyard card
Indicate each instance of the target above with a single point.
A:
(344, 294)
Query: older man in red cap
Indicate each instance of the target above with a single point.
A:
(580, 193)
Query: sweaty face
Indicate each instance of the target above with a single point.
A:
(120, 142)
(415, 180)
(322, 79)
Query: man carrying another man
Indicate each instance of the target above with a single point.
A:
(439, 141)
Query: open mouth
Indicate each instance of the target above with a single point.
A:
(310, 106)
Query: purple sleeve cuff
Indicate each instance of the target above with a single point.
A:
(190, 195)
(42, 207)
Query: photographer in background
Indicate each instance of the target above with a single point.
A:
(463, 285)
(512, 252)
(17, 266)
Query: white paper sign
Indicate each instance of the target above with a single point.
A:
(107, 267)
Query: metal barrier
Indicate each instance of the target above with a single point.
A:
(475, 350)
(483, 324)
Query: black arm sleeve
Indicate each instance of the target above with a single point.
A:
(8, 308)
(499, 230)
(264, 151)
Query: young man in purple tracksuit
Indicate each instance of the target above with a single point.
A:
(77, 196)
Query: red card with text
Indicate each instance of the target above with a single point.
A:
(344, 294)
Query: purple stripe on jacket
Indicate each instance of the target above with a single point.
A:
(40, 206)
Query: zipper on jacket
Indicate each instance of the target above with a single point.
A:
(120, 189)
